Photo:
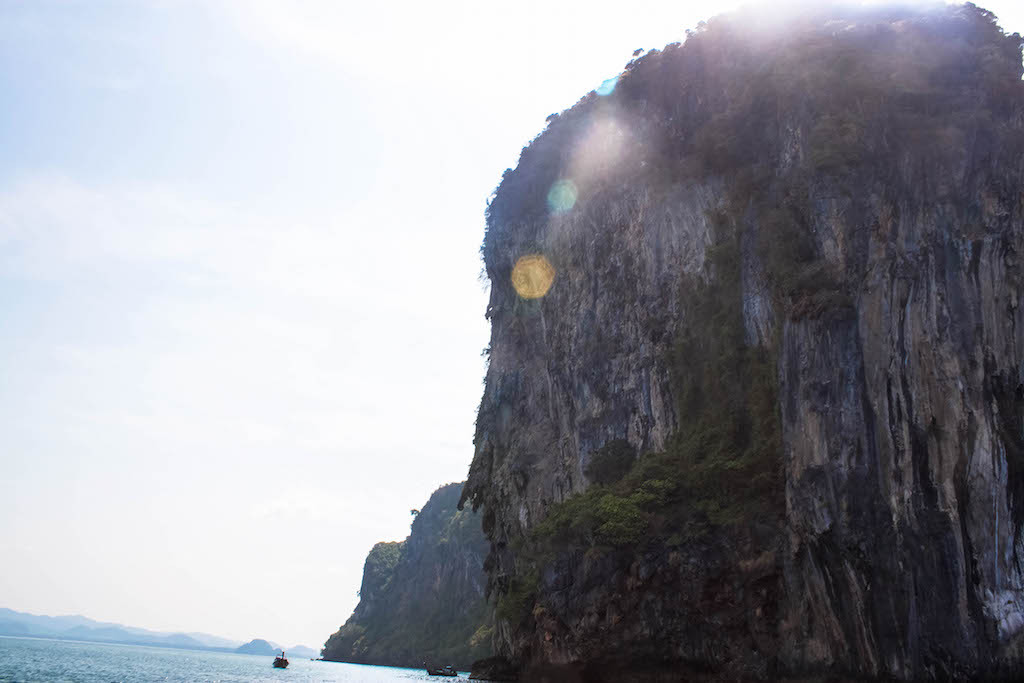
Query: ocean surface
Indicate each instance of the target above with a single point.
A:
(32, 659)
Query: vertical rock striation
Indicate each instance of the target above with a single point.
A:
(838, 198)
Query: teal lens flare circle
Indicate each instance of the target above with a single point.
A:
(562, 196)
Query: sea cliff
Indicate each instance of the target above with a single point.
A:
(755, 398)
(422, 599)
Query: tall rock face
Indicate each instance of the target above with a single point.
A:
(767, 419)
(422, 599)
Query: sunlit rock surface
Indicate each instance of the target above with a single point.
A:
(866, 167)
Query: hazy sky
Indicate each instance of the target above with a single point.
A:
(241, 319)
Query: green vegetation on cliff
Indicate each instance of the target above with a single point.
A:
(722, 470)
(422, 599)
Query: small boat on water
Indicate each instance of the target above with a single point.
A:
(442, 671)
(280, 662)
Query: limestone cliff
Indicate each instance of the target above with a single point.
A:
(768, 417)
(422, 599)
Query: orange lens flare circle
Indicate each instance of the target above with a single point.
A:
(532, 276)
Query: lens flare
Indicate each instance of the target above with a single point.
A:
(532, 276)
(562, 196)
(601, 150)
(607, 87)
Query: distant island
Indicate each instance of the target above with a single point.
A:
(77, 627)
(302, 651)
(258, 646)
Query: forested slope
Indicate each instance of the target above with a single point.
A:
(422, 599)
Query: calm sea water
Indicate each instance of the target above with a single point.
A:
(29, 659)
